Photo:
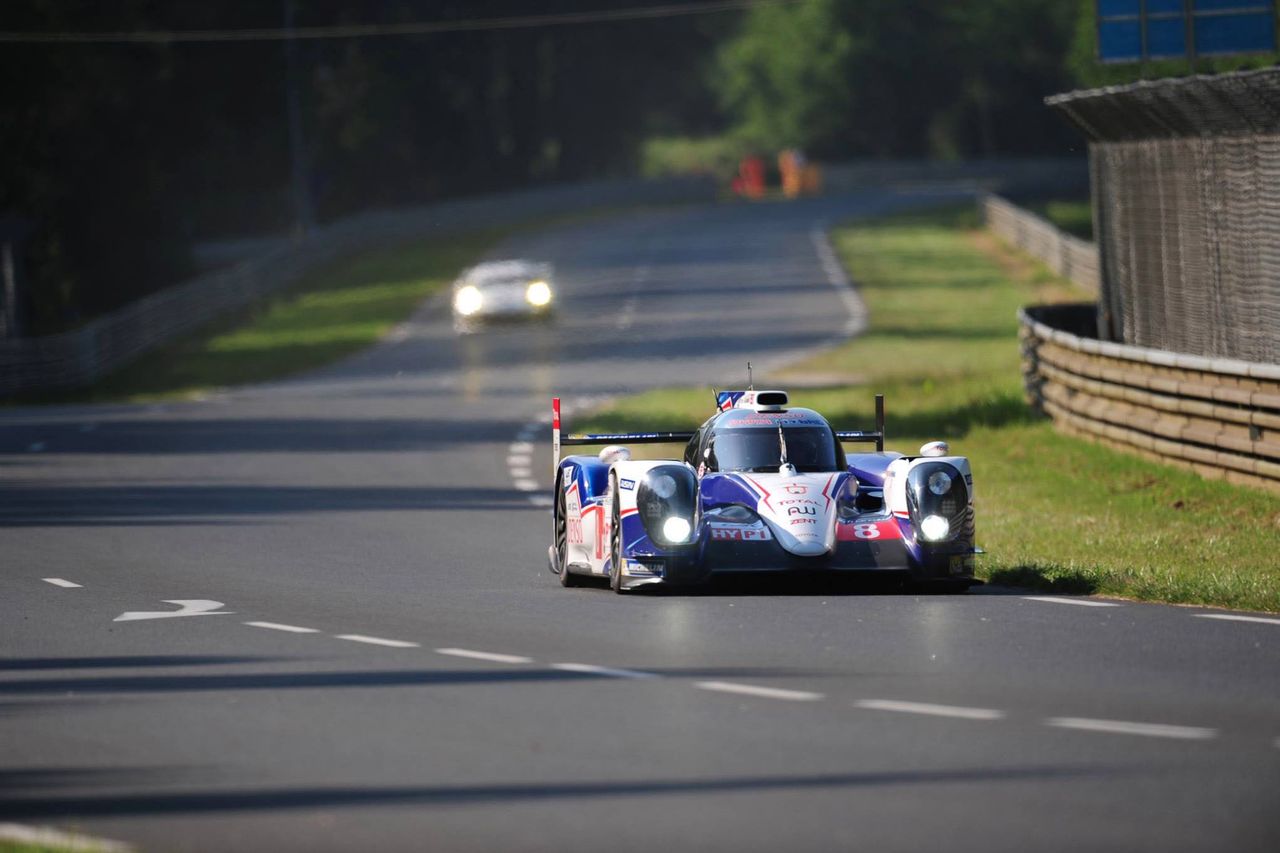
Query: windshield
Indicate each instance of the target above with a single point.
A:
(758, 449)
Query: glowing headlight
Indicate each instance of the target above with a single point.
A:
(934, 527)
(538, 293)
(663, 485)
(676, 529)
(468, 300)
(940, 483)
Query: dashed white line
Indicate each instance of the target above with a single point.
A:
(527, 485)
(1122, 727)
(1231, 617)
(276, 626)
(541, 500)
(377, 641)
(762, 692)
(522, 460)
(489, 656)
(521, 473)
(520, 447)
(930, 709)
(592, 669)
(1082, 602)
(65, 584)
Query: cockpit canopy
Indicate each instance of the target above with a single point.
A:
(749, 441)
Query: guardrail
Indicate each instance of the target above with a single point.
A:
(1065, 254)
(1217, 417)
(108, 343)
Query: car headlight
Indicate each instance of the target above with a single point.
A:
(938, 501)
(538, 293)
(935, 528)
(666, 499)
(676, 529)
(468, 300)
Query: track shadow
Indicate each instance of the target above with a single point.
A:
(1045, 579)
(124, 661)
(217, 801)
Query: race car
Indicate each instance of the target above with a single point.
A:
(762, 487)
(506, 289)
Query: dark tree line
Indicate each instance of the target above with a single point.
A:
(120, 156)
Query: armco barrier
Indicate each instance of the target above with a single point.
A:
(1065, 254)
(77, 358)
(1218, 417)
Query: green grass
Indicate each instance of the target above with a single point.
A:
(1075, 216)
(1054, 513)
(329, 314)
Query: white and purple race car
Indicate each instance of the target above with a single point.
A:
(762, 487)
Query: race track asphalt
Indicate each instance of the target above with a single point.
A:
(388, 664)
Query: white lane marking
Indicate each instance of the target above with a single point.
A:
(519, 461)
(1082, 602)
(276, 626)
(520, 447)
(1230, 617)
(930, 709)
(1121, 727)
(521, 473)
(377, 641)
(527, 485)
(489, 656)
(65, 584)
(43, 837)
(592, 669)
(836, 276)
(541, 500)
(35, 447)
(762, 692)
(186, 607)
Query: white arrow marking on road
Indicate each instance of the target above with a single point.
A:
(187, 607)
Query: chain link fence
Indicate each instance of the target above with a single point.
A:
(1186, 189)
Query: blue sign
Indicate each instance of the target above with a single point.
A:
(1139, 30)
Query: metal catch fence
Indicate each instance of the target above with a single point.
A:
(1186, 189)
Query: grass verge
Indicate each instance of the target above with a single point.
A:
(1054, 513)
(1075, 216)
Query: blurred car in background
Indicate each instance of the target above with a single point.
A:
(509, 289)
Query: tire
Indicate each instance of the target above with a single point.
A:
(615, 546)
(561, 535)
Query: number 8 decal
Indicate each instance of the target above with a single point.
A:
(866, 531)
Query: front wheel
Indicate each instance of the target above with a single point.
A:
(615, 546)
(567, 578)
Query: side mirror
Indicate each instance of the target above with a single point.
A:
(614, 453)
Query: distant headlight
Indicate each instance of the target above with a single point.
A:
(538, 293)
(468, 300)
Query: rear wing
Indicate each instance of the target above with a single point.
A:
(863, 435)
(558, 440)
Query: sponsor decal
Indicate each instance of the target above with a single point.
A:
(794, 489)
(628, 485)
(795, 501)
(737, 533)
(801, 510)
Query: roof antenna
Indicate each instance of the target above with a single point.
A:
(751, 386)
